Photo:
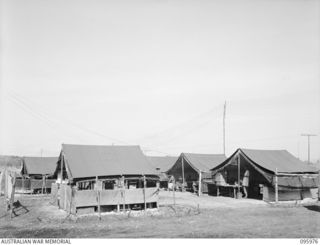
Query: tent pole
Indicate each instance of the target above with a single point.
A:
(98, 198)
(182, 172)
(5, 188)
(23, 190)
(124, 194)
(276, 186)
(174, 196)
(238, 194)
(12, 194)
(42, 187)
(319, 186)
(199, 188)
(144, 192)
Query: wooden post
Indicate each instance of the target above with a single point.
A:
(98, 198)
(124, 194)
(239, 191)
(43, 183)
(182, 166)
(12, 194)
(319, 186)
(199, 188)
(174, 190)
(23, 188)
(118, 190)
(65, 196)
(276, 186)
(144, 192)
(5, 189)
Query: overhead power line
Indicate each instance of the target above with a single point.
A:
(56, 124)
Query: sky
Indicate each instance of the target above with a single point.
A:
(157, 73)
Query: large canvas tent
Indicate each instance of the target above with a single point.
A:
(94, 176)
(37, 174)
(191, 167)
(274, 174)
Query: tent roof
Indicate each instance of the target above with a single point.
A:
(40, 165)
(284, 161)
(164, 163)
(204, 162)
(12, 163)
(101, 160)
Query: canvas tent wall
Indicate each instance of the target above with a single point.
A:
(269, 169)
(191, 167)
(37, 174)
(91, 176)
(10, 168)
(162, 164)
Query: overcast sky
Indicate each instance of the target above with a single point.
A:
(157, 72)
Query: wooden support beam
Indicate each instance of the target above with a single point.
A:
(239, 191)
(276, 186)
(319, 186)
(174, 191)
(182, 167)
(23, 188)
(199, 188)
(12, 194)
(124, 194)
(6, 188)
(98, 197)
(144, 192)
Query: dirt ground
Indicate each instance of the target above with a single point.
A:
(191, 217)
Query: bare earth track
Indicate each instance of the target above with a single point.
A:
(192, 217)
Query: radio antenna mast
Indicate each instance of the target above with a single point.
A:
(224, 127)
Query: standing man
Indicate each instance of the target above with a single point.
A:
(245, 183)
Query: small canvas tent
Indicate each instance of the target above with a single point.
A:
(191, 167)
(37, 174)
(94, 176)
(272, 174)
(162, 164)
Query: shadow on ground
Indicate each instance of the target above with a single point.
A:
(313, 208)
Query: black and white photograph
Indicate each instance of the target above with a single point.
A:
(159, 119)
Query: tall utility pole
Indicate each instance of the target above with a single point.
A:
(308, 135)
(224, 127)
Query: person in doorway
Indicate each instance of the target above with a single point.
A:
(245, 183)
